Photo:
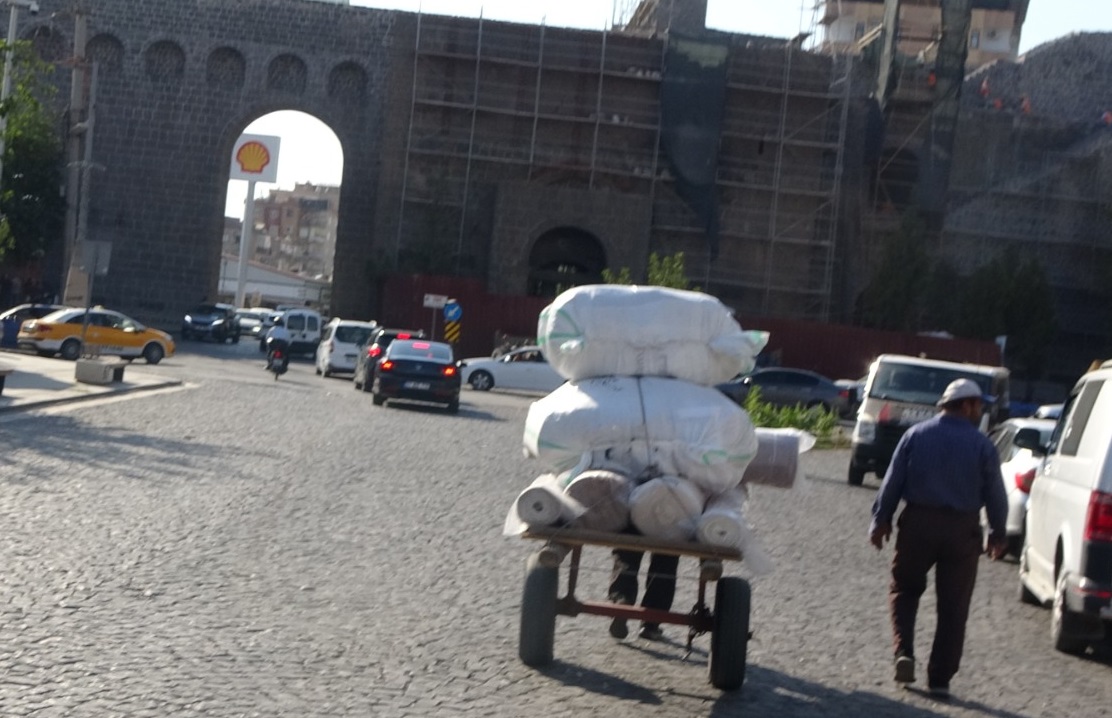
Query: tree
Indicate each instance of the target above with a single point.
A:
(666, 271)
(32, 210)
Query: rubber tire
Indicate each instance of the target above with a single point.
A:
(1025, 596)
(729, 639)
(378, 399)
(481, 381)
(326, 372)
(365, 385)
(1065, 625)
(856, 475)
(537, 634)
(153, 353)
(70, 350)
(453, 407)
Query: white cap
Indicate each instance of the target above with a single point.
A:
(964, 389)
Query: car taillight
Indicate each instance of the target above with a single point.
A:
(844, 393)
(386, 365)
(374, 351)
(449, 371)
(1024, 479)
(1098, 522)
(403, 335)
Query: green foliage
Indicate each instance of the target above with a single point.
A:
(666, 271)
(816, 421)
(32, 208)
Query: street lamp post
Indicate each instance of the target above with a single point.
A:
(6, 87)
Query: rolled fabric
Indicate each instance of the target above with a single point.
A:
(544, 503)
(604, 496)
(723, 523)
(620, 330)
(667, 507)
(776, 462)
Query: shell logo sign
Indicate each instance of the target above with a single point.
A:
(255, 158)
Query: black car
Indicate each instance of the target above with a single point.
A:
(372, 351)
(420, 370)
(214, 321)
(791, 387)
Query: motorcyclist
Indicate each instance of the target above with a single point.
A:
(278, 337)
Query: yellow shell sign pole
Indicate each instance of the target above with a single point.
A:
(255, 159)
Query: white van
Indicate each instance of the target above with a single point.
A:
(304, 326)
(339, 345)
(903, 390)
(1067, 559)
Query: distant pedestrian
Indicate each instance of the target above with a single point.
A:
(945, 470)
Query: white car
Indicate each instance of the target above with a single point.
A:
(339, 345)
(1067, 559)
(1018, 465)
(524, 368)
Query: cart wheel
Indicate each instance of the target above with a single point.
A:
(538, 613)
(730, 637)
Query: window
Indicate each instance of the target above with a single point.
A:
(975, 39)
(1073, 425)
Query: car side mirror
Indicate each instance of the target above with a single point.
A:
(1029, 439)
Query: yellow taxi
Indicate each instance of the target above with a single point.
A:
(108, 332)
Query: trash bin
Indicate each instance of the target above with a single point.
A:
(10, 328)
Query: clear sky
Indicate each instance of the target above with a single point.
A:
(310, 151)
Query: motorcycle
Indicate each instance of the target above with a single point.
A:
(277, 357)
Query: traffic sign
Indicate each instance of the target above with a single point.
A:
(453, 311)
(451, 332)
(435, 301)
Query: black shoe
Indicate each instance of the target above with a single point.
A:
(905, 669)
(651, 632)
(941, 692)
(618, 628)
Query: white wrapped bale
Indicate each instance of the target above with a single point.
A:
(672, 425)
(667, 508)
(620, 330)
(604, 496)
(544, 503)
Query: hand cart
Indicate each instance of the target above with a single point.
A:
(728, 623)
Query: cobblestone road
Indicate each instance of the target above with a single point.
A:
(250, 548)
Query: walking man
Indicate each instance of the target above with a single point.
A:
(945, 470)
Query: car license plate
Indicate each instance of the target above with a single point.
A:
(914, 416)
(416, 385)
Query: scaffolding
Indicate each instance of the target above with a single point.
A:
(498, 102)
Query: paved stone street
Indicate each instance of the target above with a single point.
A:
(246, 547)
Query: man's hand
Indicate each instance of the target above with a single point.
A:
(880, 535)
(997, 548)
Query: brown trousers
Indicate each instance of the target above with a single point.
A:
(951, 542)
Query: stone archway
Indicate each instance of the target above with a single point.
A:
(562, 258)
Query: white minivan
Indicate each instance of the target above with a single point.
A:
(304, 326)
(339, 345)
(1067, 560)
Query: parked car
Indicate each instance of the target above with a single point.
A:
(856, 389)
(12, 319)
(792, 387)
(1048, 411)
(524, 368)
(1018, 466)
(108, 331)
(419, 370)
(251, 321)
(339, 345)
(1066, 561)
(212, 321)
(372, 351)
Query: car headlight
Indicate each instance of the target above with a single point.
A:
(188, 318)
(864, 431)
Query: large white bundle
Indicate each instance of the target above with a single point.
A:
(675, 426)
(666, 508)
(620, 330)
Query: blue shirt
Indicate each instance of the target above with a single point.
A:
(944, 462)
